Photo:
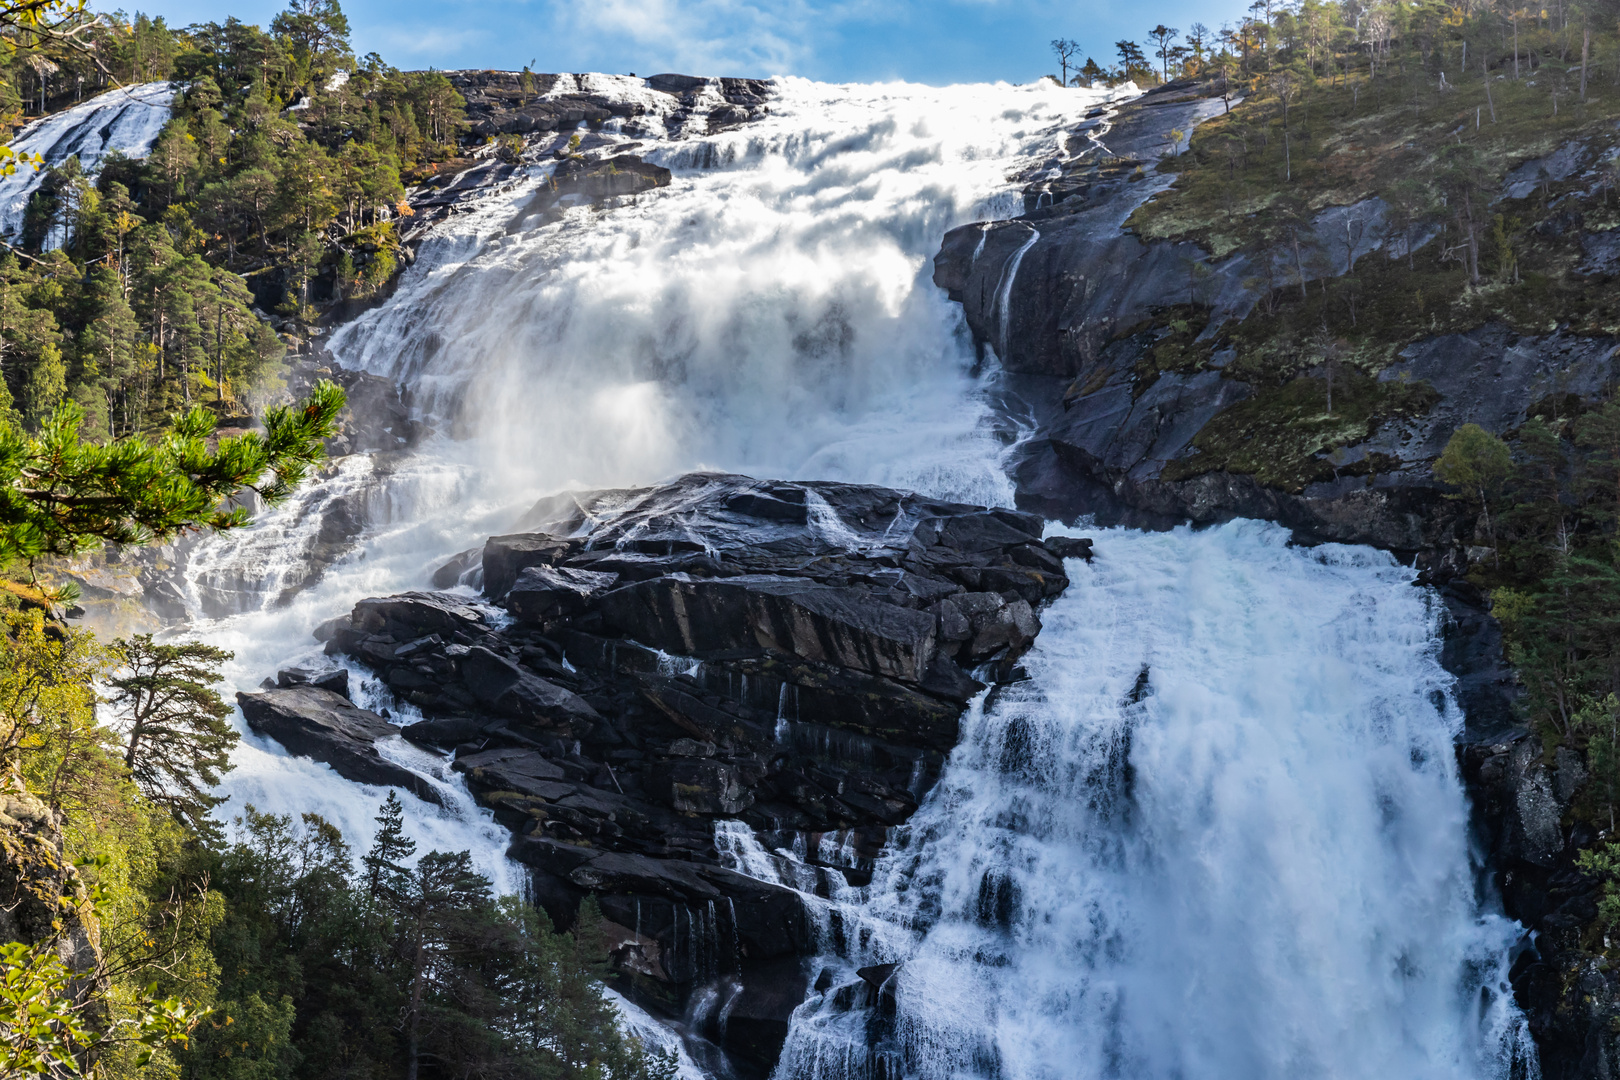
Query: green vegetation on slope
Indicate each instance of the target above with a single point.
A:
(127, 331)
(277, 184)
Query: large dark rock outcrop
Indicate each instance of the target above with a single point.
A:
(1074, 304)
(791, 656)
(318, 723)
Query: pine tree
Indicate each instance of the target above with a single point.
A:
(385, 862)
(60, 495)
(178, 740)
(45, 388)
(110, 351)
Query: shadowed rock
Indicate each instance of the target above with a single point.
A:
(545, 593)
(791, 655)
(844, 627)
(316, 723)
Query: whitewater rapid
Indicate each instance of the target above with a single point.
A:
(1217, 834)
(770, 312)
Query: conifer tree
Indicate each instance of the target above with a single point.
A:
(385, 862)
(60, 494)
(177, 739)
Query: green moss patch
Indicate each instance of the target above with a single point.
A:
(1279, 435)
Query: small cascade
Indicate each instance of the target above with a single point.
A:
(1009, 274)
(244, 570)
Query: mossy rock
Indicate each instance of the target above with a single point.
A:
(1281, 434)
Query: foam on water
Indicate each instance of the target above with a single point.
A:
(768, 312)
(1254, 868)
(771, 311)
(1219, 833)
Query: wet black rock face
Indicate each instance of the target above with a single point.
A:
(646, 667)
(1568, 994)
(320, 723)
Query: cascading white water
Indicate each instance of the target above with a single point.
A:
(1219, 833)
(1258, 869)
(770, 311)
(127, 120)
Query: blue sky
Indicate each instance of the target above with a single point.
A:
(932, 41)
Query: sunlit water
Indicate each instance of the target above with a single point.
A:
(127, 120)
(1219, 833)
(1255, 867)
(770, 312)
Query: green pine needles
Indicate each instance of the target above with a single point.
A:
(61, 494)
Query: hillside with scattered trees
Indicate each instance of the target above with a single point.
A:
(132, 292)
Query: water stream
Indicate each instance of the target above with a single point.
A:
(1218, 833)
(127, 120)
(770, 312)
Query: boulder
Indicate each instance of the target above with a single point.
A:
(333, 679)
(316, 723)
(1011, 626)
(544, 593)
(1069, 547)
(417, 614)
(670, 83)
(878, 974)
(459, 569)
(327, 630)
(505, 556)
(511, 691)
(449, 731)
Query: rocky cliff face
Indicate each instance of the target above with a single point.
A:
(42, 900)
(644, 668)
(1121, 345)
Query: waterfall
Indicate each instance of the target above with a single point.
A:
(784, 274)
(127, 120)
(1009, 274)
(1218, 833)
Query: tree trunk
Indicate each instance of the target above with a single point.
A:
(413, 1022)
(1586, 53)
(1299, 267)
